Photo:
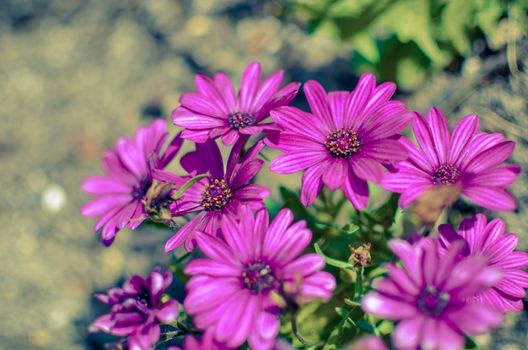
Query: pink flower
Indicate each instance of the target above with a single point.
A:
(428, 296)
(216, 111)
(129, 169)
(234, 293)
(206, 342)
(344, 142)
(138, 310)
(466, 162)
(368, 343)
(219, 195)
(490, 241)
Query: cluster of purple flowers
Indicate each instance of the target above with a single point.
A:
(443, 287)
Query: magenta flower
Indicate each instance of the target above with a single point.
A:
(206, 342)
(344, 142)
(490, 241)
(218, 196)
(138, 310)
(216, 111)
(370, 342)
(235, 292)
(467, 162)
(129, 169)
(429, 295)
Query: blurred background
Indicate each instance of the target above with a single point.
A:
(77, 74)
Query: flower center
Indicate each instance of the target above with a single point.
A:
(258, 277)
(433, 302)
(446, 174)
(140, 190)
(216, 195)
(240, 120)
(342, 143)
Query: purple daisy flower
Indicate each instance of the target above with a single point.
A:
(466, 162)
(206, 342)
(370, 342)
(344, 142)
(430, 295)
(235, 293)
(218, 196)
(216, 111)
(490, 241)
(129, 169)
(138, 310)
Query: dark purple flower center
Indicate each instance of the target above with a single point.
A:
(216, 195)
(258, 277)
(342, 143)
(240, 120)
(446, 174)
(140, 190)
(433, 302)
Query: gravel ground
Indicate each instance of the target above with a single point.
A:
(76, 74)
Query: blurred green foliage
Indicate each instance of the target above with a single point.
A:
(403, 40)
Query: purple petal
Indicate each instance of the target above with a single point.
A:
(197, 111)
(335, 174)
(211, 268)
(388, 308)
(169, 311)
(338, 103)
(499, 177)
(462, 134)
(356, 190)
(358, 100)
(425, 139)
(367, 169)
(490, 157)
(408, 333)
(316, 96)
(246, 172)
(267, 89)
(299, 122)
(386, 150)
(186, 232)
(312, 183)
(104, 185)
(439, 132)
(249, 85)
(292, 162)
(171, 151)
(491, 198)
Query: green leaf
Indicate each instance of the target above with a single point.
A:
(330, 261)
(455, 22)
(178, 194)
(350, 229)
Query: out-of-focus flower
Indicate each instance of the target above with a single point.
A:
(489, 240)
(235, 292)
(206, 342)
(430, 295)
(368, 343)
(220, 195)
(467, 163)
(216, 111)
(345, 140)
(129, 168)
(138, 310)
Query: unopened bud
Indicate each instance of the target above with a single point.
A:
(360, 256)
(159, 202)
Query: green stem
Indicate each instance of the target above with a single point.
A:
(297, 332)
